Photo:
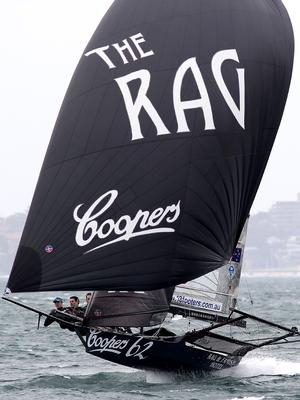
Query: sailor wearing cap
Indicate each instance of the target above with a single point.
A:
(59, 306)
(58, 303)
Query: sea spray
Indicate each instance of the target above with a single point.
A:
(252, 366)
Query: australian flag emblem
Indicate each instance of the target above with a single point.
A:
(236, 256)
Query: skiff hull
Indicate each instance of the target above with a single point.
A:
(175, 353)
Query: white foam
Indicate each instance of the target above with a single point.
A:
(249, 398)
(250, 366)
(261, 365)
(160, 377)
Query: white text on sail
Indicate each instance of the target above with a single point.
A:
(130, 47)
(142, 101)
(126, 227)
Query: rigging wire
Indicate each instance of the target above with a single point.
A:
(251, 305)
(249, 294)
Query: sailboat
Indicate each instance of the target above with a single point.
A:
(153, 165)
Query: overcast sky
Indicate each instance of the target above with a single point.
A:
(41, 42)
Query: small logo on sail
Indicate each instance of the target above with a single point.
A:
(231, 271)
(49, 248)
(126, 227)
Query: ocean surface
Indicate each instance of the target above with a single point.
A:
(51, 363)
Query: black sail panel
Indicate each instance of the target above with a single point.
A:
(159, 146)
(128, 309)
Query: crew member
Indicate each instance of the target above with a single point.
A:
(74, 308)
(59, 306)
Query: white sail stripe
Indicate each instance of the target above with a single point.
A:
(204, 349)
(135, 234)
(105, 350)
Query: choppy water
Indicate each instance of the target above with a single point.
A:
(51, 364)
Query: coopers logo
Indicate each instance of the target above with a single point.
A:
(106, 232)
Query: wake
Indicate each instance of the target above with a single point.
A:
(250, 366)
(261, 365)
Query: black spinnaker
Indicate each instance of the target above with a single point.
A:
(159, 146)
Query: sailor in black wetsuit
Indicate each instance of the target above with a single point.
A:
(74, 308)
(59, 306)
(71, 315)
(88, 297)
